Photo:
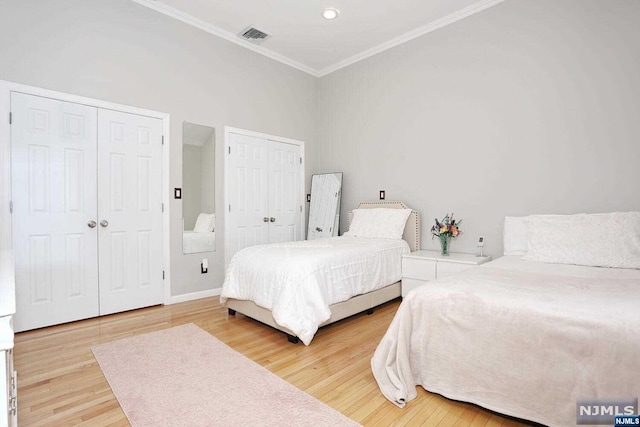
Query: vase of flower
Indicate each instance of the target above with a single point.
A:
(446, 230)
(444, 245)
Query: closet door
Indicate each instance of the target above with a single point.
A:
(53, 160)
(265, 200)
(284, 192)
(129, 211)
(248, 192)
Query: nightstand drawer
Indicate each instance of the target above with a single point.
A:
(422, 269)
(444, 269)
(409, 284)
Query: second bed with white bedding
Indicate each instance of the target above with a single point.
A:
(298, 281)
(522, 338)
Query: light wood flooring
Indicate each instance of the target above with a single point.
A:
(61, 384)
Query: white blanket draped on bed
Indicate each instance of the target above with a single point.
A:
(517, 341)
(298, 281)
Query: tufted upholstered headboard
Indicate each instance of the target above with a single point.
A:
(411, 229)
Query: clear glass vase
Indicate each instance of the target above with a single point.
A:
(444, 245)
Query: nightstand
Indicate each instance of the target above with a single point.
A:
(421, 266)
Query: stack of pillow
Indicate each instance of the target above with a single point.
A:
(597, 240)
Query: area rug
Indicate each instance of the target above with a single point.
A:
(183, 376)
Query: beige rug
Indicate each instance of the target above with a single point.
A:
(183, 376)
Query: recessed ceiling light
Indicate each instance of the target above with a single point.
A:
(330, 13)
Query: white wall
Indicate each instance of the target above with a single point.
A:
(119, 51)
(531, 106)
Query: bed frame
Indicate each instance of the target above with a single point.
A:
(357, 304)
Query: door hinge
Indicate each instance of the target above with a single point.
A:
(162, 274)
(13, 399)
(10, 118)
(162, 139)
(162, 205)
(12, 406)
(300, 208)
(11, 206)
(300, 160)
(229, 150)
(229, 208)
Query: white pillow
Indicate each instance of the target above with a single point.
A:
(514, 238)
(378, 223)
(597, 240)
(205, 223)
(515, 235)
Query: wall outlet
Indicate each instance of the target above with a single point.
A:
(204, 266)
(382, 194)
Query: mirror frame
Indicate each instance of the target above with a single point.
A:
(200, 241)
(334, 227)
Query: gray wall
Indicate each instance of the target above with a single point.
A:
(119, 51)
(531, 106)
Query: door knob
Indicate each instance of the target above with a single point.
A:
(104, 223)
(265, 219)
(92, 224)
(272, 219)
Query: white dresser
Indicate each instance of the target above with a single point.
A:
(421, 266)
(8, 386)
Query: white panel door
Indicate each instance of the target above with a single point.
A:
(284, 192)
(248, 192)
(53, 158)
(129, 211)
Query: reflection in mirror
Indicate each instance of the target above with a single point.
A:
(324, 212)
(198, 184)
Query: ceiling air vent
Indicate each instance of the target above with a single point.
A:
(253, 34)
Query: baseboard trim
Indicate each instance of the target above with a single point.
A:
(175, 299)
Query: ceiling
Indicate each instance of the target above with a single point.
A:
(302, 38)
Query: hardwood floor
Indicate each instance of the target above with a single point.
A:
(61, 384)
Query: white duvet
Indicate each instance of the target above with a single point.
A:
(298, 281)
(522, 338)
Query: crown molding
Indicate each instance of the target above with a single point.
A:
(227, 35)
(444, 21)
(158, 6)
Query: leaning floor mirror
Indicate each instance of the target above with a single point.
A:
(324, 211)
(198, 189)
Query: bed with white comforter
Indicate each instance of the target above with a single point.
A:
(298, 281)
(522, 338)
